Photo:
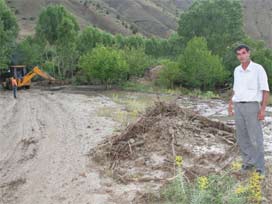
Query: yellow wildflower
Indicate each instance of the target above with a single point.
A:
(203, 182)
(255, 188)
(236, 166)
(179, 161)
(240, 190)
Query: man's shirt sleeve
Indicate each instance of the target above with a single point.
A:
(263, 81)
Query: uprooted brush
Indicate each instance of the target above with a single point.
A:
(164, 131)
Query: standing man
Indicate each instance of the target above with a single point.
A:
(14, 86)
(250, 97)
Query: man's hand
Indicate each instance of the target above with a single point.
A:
(261, 114)
(264, 102)
(230, 110)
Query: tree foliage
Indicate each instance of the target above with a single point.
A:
(262, 55)
(137, 61)
(28, 52)
(55, 24)
(199, 68)
(58, 28)
(169, 75)
(8, 33)
(105, 64)
(219, 21)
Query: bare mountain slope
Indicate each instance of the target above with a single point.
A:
(149, 17)
(258, 19)
(153, 17)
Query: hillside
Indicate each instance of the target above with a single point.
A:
(258, 19)
(149, 17)
(153, 17)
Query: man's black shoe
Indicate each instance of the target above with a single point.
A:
(247, 167)
(260, 172)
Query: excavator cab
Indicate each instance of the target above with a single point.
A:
(19, 72)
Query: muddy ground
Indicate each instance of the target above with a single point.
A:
(46, 136)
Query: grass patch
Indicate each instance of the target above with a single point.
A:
(226, 187)
(121, 116)
(151, 88)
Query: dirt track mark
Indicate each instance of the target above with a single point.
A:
(44, 139)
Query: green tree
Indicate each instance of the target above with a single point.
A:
(29, 52)
(169, 75)
(8, 33)
(120, 41)
(176, 45)
(199, 68)
(134, 41)
(219, 21)
(56, 24)
(261, 54)
(88, 39)
(59, 29)
(106, 64)
(152, 47)
(137, 61)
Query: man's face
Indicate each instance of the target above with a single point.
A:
(243, 55)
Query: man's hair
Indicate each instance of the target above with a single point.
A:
(241, 47)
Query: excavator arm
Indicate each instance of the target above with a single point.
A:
(26, 80)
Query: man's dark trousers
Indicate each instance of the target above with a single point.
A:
(15, 91)
(249, 134)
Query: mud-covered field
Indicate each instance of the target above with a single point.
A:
(46, 137)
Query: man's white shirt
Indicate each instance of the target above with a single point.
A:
(249, 83)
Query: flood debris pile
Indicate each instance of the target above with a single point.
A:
(146, 150)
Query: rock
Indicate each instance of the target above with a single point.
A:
(153, 73)
(140, 161)
(171, 131)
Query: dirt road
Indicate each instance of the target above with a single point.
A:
(44, 139)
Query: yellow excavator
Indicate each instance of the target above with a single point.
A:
(22, 77)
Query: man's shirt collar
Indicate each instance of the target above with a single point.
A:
(248, 69)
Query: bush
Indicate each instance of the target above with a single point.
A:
(106, 64)
(169, 75)
(137, 61)
(199, 68)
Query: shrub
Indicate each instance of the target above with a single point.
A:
(199, 68)
(106, 64)
(169, 75)
(137, 61)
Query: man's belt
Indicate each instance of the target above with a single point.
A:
(246, 101)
